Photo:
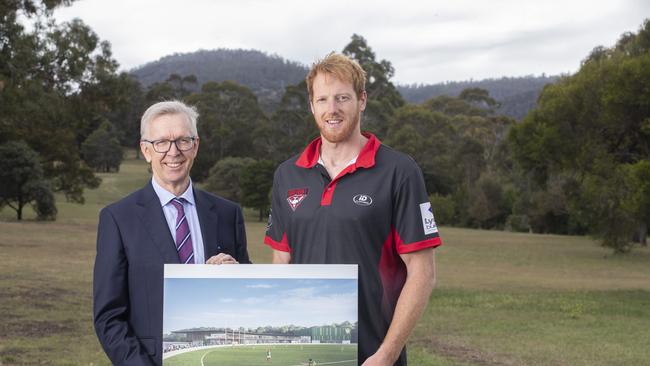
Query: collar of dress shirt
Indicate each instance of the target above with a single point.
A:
(165, 196)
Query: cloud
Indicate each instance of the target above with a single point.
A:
(252, 301)
(299, 292)
(265, 286)
(426, 40)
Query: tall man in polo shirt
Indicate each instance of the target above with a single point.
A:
(348, 199)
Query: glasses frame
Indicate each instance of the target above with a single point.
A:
(175, 142)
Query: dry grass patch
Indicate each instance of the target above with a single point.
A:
(502, 298)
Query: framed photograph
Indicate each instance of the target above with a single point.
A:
(260, 314)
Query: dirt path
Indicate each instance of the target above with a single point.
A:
(465, 354)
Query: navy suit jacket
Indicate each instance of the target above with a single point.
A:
(133, 244)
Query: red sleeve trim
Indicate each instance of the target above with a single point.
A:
(282, 245)
(418, 245)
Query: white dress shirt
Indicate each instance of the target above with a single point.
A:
(189, 206)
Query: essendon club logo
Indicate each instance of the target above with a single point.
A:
(295, 196)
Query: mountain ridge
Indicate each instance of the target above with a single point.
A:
(267, 75)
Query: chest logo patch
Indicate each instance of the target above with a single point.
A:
(296, 196)
(362, 200)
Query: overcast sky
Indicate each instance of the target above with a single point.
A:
(252, 303)
(427, 41)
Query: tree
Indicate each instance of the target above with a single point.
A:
(452, 106)
(444, 209)
(606, 202)
(547, 208)
(184, 84)
(229, 113)
(456, 141)
(429, 138)
(22, 181)
(488, 205)
(224, 178)
(290, 128)
(480, 97)
(49, 76)
(639, 174)
(116, 98)
(591, 127)
(102, 150)
(174, 87)
(256, 181)
(383, 97)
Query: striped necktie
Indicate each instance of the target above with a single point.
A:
(183, 235)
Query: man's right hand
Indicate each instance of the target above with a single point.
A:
(221, 258)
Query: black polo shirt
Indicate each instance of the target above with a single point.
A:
(374, 210)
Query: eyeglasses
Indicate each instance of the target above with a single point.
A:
(182, 144)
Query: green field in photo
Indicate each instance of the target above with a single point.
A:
(281, 355)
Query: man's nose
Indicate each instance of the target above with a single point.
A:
(173, 149)
(332, 105)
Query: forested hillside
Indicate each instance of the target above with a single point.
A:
(577, 163)
(516, 95)
(268, 75)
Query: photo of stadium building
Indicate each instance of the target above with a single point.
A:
(344, 334)
(260, 321)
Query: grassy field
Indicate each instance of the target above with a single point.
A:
(502, 298)
(339, 355)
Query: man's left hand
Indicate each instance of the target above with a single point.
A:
(221, 258)
(377, 359)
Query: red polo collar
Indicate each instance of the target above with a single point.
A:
(366, 159)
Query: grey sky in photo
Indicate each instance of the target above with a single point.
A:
(252, 303)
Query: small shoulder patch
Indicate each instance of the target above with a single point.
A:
(428, 221)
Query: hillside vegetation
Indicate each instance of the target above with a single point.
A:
(268, 75)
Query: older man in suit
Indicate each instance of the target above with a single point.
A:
(167, 221)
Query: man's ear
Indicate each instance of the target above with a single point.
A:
(363, 98)
(145, 151)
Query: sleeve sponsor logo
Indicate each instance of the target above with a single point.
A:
(270, 222)
(296, 196)
(428, 221)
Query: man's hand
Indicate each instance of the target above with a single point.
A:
(280, 257)
(377, 359)
(420, 280)
(221, 258)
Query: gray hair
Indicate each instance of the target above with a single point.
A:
(169, 107)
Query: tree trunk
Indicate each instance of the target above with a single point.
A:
(19, 206)
(643, 234)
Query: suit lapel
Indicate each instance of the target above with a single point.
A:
(155, 224)
(206, 210)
